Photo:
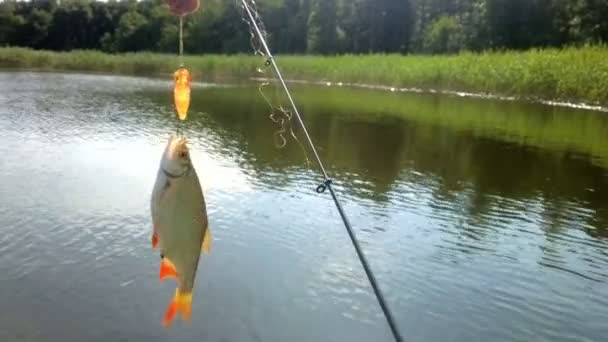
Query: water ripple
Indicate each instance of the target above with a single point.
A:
(459, 254)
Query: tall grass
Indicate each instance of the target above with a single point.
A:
(569, 74)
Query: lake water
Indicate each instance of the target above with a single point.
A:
(482, 220)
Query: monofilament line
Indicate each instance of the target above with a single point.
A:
(181, 40)
(278, 72)
(327, 183)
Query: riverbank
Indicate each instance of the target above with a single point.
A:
(574, 75)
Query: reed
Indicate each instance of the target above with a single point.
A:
(573, 74)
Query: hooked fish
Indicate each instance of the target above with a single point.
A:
(180, 224)
(181, 92)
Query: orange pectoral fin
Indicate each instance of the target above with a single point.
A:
(182, 303)
(154, 241)
(167, 269)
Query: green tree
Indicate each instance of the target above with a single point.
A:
(131, 34)
(322, 34)
(589, 21)
(70, 26)
(300, 26)
(38, 25)
(444, 35)
(11, 24)
(393, 23)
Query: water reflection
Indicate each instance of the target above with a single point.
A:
(486, 219)
(378, 154)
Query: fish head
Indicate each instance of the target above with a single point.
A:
(176, 160)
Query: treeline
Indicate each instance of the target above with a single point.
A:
(307, 26)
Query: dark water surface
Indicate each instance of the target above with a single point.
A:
(483, 220)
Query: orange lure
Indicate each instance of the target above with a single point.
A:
(181, 92)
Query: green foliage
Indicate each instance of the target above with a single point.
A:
(69, 28)
(131, 31)
(11, 24)
(570, 74)
(307, 26)
(322, 35)
(37, 27)
(444, 35)
(383, 28)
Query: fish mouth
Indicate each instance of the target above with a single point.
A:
(175, 176)
(177, 147)
(178, 142)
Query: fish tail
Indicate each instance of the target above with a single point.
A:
(182, 303)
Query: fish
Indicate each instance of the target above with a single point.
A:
(181, 92)
(182, 7)
(180, 224)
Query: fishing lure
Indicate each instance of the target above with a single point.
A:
(181, 92)
(183, 7)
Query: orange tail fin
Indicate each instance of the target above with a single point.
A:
(182, 303)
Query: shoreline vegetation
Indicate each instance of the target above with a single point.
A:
(567, 75)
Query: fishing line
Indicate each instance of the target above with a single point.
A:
(181, 40)
(250, 7)
(278, 115)
(282, 117)
(180, 124)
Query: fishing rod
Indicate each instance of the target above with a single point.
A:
(327, 183)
